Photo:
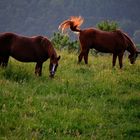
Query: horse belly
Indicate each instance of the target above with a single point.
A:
(23, 54)
(105, 45)
(102, 49)
(23, 58)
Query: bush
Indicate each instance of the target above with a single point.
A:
(138, 46)
(62, 41)
(107, 25)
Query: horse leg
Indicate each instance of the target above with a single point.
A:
(86, 56)
(120, 60)
(80, 56)
(4, 61)
(38, 69)
(1, 61)
(114, 60)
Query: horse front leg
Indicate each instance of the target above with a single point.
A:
(120, 60)
(38, 69)
(114, 60)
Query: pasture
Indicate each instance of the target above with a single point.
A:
(82, 102)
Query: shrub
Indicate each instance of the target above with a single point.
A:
(62, 41)
(107, 25)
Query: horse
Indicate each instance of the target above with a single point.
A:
(28, 49)
(115, 42)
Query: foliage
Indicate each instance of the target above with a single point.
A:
(82, 102)
(136, 36)
(138, 46)
(107, 25)
(62, 41)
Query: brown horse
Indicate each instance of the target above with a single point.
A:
(115, 42)
(28, 49)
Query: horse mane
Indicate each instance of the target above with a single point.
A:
(130, 43)
(47, 44)
(73, 23)
(129, 39)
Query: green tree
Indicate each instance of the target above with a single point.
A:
(107, 25)
(136, 37)
(62, 41)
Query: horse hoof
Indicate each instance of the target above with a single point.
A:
(51, 76)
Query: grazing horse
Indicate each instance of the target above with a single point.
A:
(28, 49)
(115, 42)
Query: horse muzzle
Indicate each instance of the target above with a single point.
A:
(52, 74)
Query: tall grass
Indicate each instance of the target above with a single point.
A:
(82, 102)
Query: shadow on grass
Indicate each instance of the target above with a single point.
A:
(132, 133)
(19, 75)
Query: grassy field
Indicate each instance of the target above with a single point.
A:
(82, 102)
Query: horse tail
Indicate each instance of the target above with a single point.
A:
(73, 23)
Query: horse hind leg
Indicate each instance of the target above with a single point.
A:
(114, 60)
(86, 56)
(1, 61)
(120, 60)
(4, 61)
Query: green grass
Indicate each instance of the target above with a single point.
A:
(82, 102)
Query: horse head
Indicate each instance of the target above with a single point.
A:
(133, 57)
(52, 55)
(53, 65)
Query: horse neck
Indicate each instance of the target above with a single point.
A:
(51, 52)
(131, 49)
(130, 45)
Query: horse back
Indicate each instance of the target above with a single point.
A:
(108, 42)
(28, 49)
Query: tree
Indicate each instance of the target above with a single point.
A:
(107, 25)
(136, 36)
(62, 41)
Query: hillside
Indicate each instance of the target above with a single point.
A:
(43, 16)
(82, 102)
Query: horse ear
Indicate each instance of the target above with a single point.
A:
(58, 57)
